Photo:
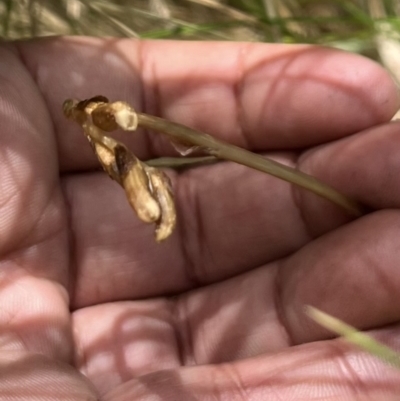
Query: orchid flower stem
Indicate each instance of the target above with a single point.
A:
(225, 151)
(181, 162)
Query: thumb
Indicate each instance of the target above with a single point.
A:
(25, 376)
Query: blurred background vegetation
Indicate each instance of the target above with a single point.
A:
(369, 27)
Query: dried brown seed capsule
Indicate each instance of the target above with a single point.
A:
(98, 99)
(103, 118)
(95, 100)
(136, 184)
(107, 160)
(148, 190)
(112, 116)
(161, 189)
(79, 110)
(103, 147)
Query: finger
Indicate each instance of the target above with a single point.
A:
(364, 166)
(34, 313)
(31, 208)
(254, 95)
(350, 273)
(318, 371)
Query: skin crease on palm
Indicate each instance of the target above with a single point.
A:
(92, 308)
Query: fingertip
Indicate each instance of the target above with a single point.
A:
(307, 95)
(383, 90)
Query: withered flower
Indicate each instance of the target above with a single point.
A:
(148, 189)
(162, 190)
(111, 116)
(137, 185)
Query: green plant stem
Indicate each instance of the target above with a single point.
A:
(225, 151)
(354, 336)
(180, 162)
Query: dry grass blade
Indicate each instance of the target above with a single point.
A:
(231, 12)
(345, 24)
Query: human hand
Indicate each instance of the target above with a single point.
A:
(217, 310)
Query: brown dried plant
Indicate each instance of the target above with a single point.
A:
(148, 189)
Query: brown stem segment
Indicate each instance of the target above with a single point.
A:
(221, 150)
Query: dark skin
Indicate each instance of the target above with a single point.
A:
(92, 308)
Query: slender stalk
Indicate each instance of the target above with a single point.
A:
(221, 150)
(180, 162)
(354, 336)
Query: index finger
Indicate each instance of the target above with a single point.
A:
(259, 96)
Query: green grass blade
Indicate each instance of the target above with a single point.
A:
(352, 335)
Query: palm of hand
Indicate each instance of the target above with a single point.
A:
(84, 287)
